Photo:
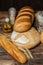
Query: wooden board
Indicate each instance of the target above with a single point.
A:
(37, 53)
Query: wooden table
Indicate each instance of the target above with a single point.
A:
(37, 53)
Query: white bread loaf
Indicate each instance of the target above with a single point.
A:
(27, 39)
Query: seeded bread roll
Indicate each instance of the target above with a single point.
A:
(24, 19)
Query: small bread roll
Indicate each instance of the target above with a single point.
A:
(41, 37)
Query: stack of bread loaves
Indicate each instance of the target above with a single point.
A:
(24, 35)
(24, 19)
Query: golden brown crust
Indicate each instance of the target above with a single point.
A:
(26, 14)
(31, 15)
(12, 50)
(22, 27)
(23, 18)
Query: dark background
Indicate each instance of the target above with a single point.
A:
(6, 4)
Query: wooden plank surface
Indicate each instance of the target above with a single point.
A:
(37, 53)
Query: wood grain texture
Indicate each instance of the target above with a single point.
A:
(37, 53)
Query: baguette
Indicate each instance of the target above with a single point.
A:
(12, 49)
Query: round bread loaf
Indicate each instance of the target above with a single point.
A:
(24, 19)
(41, 37)
(28, 39)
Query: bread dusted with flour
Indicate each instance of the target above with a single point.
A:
(27, 39)
(24, 19)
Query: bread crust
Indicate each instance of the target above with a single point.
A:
(22, 24)
(12, 49)
(41, 37)
(24, 19)
(26, 8)
(31, 15)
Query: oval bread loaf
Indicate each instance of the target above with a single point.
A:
(24, 19)
(22, 24)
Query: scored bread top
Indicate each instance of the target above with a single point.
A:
(22, 23)
(28, 39)
(22, 19)
(26, 8)
(31, 15)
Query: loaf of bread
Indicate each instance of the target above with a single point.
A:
(26, 11)
(27, 39)
(12, 49)
(41, 37)
(24, 19)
